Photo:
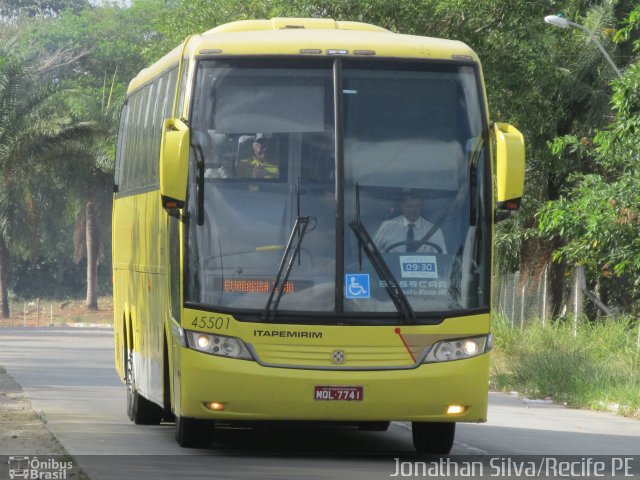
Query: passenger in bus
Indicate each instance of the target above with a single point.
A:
(407, 230)
(259, 163)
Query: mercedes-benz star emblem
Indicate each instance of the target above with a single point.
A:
(337, 357)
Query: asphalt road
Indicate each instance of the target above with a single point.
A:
(68, 374)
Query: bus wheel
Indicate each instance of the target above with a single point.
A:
(139, 410)
(433, 437)
(374, 426)
(192, 433)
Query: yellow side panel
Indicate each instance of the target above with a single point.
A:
(140, 286)
(124, 215)
(124, 239)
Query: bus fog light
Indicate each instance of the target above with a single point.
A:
(456, 409)
(217, 406)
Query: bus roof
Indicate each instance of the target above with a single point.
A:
(312, 37)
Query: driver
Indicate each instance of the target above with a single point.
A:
(259, 164)
(408, 230)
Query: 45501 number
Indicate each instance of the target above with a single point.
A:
(217, 323)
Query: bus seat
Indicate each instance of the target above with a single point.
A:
(245, 147)
(202, 139)
(222, 157)
(213, 147)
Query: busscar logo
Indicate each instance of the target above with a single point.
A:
(38, 469)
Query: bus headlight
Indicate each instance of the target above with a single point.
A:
(458, 349)
(218, 345)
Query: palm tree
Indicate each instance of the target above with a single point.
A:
(93, 183)
(93, 191)
(30, 135)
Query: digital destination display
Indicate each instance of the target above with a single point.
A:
(256, 285)
(253, 286)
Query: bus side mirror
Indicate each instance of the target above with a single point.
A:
(510, 166)
(174, 163)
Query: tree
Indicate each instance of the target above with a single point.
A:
(598, 215)
(94, 90)
(12, 11)
(549, 83)
(29, 134)
(594, 220)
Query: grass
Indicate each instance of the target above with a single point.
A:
(598, 368)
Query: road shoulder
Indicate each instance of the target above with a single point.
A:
(23, 431)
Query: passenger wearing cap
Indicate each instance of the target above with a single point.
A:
(259, 164)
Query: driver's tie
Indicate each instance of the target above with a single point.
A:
(411, 246)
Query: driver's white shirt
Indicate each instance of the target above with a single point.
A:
(395, 230)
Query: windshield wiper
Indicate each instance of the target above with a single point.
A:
(366, 243)
(295, 241)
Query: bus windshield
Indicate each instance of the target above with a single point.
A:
(415, 180)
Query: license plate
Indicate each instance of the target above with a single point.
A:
(348, 394)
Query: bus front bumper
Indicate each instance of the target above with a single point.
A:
(248, 391)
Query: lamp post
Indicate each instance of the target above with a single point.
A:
(561, 22)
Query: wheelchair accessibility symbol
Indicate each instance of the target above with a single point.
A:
(357, 286)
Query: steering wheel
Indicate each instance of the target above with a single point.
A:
(416, 243)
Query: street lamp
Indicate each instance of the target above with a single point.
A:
(560, 21)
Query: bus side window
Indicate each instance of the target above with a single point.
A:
(120, 147)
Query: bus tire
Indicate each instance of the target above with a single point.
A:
(192, 433)
(139, 410)
(433, 437)
(374, 426)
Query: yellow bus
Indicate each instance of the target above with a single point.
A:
(302, 230)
